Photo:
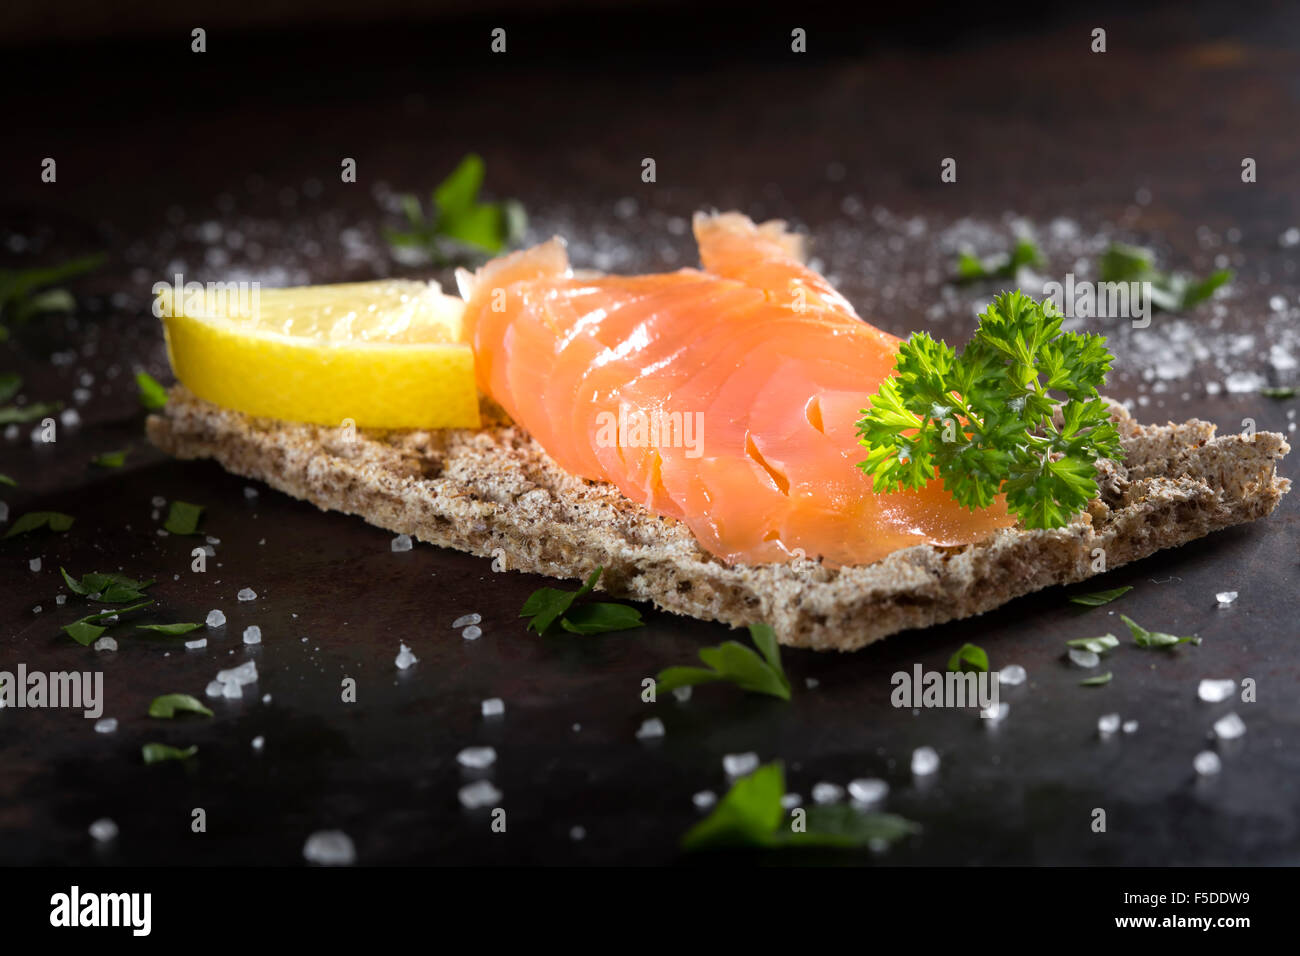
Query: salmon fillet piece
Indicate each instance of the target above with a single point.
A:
(726, 398)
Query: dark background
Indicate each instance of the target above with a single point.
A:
(164, 156)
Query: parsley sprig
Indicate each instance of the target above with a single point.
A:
(457, 222)
(546, 607)
(734, 662)
(1171, 291)
(988, 419)
(751, 815)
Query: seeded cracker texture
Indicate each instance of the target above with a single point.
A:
(495, 490)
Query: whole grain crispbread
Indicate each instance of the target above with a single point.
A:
(495, 492)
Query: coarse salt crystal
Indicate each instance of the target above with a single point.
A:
(704, 799)
(329, 848)
(1207, 763)
(252, 634)
(215, 618)
(791, 800)
(868, 790)
(925, 761)
(1225, 598)
(1130, 726)
(738, 765)
(1108, 723)
(683, 694)
(650, 728)
(477, 758)
(258, 743)
(472, 633)
(1012, 674)
(34, 564)
(106, 644)
(1215, 691)
(247, 594)
(197, 645)
(827, 793)
(478, 794)
(465, 620)
(404, 657)
(493, 707)
(106, 725)
(996, 713)
(104, 830)
(402, 543)
(1229, 727)
(1084, 658)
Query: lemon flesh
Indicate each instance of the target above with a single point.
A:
(383, 354)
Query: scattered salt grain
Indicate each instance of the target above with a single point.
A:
(478, 794)
(329, 848)
(472, 633)
(250, 492)
(266, 698)
(791, 800)
(1207, 763)
(34, 564)
(1215, 691)
(868, 790)
(925, 761)
(1230, 727)
(104, 830)
(1225, 598)
(477, 758)
(650, 728)
(247, 594)
(493, 707)
(465, 620)
(577, 833)
(1012, 675)
(1108, 724)
(252, 634)
(37, 609)
(704, 799)
(106, 644)
(245, 673)
(70, 418)
(259, 743)
(827, 793)
(1130, 726)
(683, 694)
(811, 683)
(996, 713)
(197, 645)
(215, 619)
(402, 543)
(60, 599)
(158, 501)
(404, 658)
(1084, 658)
(106, 725)
(737, 765)
(215, 688)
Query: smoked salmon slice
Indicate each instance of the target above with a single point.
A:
(726, 397)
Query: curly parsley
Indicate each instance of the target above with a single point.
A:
(987, 420)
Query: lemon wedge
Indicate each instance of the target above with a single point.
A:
(383, 354)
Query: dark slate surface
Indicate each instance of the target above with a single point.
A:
(152, 144)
